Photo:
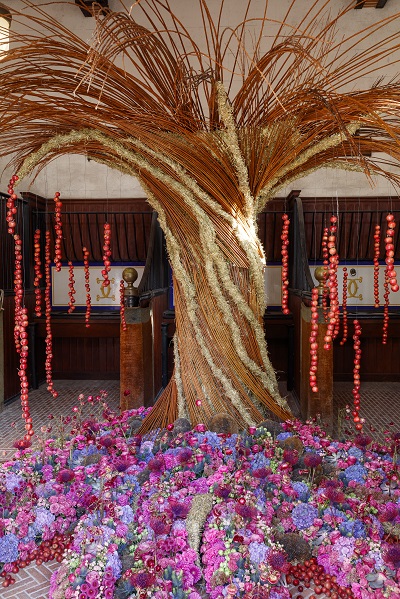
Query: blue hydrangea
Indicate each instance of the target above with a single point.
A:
(127, 514)
(12, 481)
(114, 563)
(257, 552)
(260, 461)
(43, 518)
(283, 436)
(302, 490)
(8, 549)
(303, 515)
(352, 528)
(356, 473)
(356, 452)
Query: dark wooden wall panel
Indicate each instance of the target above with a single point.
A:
(159, 304)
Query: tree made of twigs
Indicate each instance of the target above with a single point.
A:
(212, 129)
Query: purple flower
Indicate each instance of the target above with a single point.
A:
(356, 473)
(312, 460)
(245, 511)
(179, 509)
(277, 560)
(65, 475)
(392, 556)
(143, 580)
(303, 515)
(8, 549)
(157, 465)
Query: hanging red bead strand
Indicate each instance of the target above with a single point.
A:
(313, 340)
(49, 335)
(325, 258)
(285, 263)
(38, 273)
(122, 303)
(344, 306)
(333, 315)
(356, 374)
(386, 293)
(71, 285)
(389, 247)
(58, 231)
(87, 286)
(11, 207)
(21, 337)
(106, 254)
(18, 292)
(377, 245)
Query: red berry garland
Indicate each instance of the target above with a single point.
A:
(18, 292)
(389, 247)
(385, 307)
(58, 231)
(325, 257)
(71, 292)
(313, 575)
(344, 306)
(356, 375)
(106, 254)
(47, 301)
(21, 337)
(87, 285)
(122, 303)
(313, 340)
(377, 245)
(333, 316)
(38, 273)
(11, 208)
(285, 263)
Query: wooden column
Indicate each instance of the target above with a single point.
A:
(1, 352)
(136, 359)
(311, 403)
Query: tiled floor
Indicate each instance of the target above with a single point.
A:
(380, 406)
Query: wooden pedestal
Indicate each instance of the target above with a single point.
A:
(136, 360)
(321, 402)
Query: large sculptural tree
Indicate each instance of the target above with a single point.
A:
(212, 133)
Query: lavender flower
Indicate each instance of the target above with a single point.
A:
(302, 490)
(303, 515)
(8, 548)
(12, 481)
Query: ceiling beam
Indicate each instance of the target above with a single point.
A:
(370, 3)
(86, 6)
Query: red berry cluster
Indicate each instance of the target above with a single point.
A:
(38, 273)
(377, 245)
(11, 207)
(71, 292)
(344, 306)
(87, 285)
(47, 301)
(122, 303)
(313, 340)
(310, 573)
(389, 247)
(47, 551)
(58, 231)
(106, 254)
(285, 263)
(18, 292)
(325, 258)
(356, 374)
(385, 307)
(333, 316)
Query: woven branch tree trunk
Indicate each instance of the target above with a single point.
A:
(221, 359)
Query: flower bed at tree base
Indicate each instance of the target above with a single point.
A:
(194, 514)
